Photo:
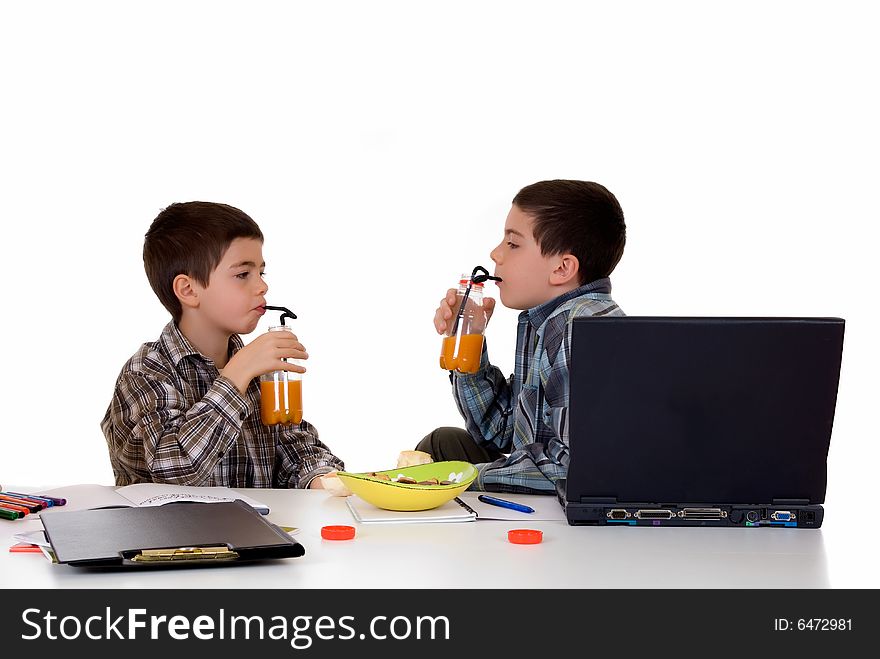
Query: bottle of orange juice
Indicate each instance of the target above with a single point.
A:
(281, 391)
(463, 343)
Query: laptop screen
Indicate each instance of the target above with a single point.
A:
(702, 410)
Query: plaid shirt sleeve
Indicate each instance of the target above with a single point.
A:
(542, 444)
(535, 466)
(169, 441)
(303, 456)
(484, 400)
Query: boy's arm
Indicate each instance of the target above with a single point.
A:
(555, 369)
(158, 434)
(303, 457)
(535, 468)
(484, 400)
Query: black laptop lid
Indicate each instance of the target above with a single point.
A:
(702, 410)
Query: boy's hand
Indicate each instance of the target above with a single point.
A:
(264, 355)
(444, 316)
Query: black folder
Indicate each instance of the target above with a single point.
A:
(176, 534)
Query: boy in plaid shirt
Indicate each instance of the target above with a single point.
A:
(562, 239)
(186, 408)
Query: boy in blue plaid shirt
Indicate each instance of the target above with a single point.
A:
(562, 239)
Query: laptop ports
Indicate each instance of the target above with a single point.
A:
(702, 513)
(783, 516)
(654, 513)
(618, 513)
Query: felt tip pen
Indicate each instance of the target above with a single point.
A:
(8, 513)
(32, 497)
(13, 507)
(55, 500)
(30, 505)
(504, 503)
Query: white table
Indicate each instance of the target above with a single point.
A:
(477, 554)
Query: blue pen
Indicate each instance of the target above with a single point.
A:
(504, 503)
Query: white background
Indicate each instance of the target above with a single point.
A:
(379, 144)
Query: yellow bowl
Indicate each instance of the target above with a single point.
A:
(391, 495)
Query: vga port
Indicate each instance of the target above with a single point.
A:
(617, 513)
(783, 516)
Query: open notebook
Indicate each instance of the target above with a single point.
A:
(455, 510)
(83, 497)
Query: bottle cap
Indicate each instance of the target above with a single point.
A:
(465, 279)
(337, 532)
(525, 536)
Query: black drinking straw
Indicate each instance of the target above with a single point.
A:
(287, 313)
(474, 279)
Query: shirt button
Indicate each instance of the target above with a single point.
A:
(243, 416)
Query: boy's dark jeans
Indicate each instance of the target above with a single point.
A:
(456, 444)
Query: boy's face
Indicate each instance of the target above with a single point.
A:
(234, 299)
(525, 272)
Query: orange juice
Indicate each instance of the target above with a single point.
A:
(281, 402)
(447, 354)
(467, 359)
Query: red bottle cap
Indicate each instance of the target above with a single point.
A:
(525, 536)
(337, 532)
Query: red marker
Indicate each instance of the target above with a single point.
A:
(21, 510)
(31, 506)
(46, 502)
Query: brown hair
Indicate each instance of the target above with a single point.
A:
(190, 239)
(576, 217)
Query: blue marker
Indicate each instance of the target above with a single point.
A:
(504, 503)
(49, 502)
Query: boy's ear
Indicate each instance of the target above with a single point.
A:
(566, 270)
(186, 291)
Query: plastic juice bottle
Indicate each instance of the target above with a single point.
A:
(281, 393)
(463, 344)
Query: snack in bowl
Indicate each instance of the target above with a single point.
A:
(420, 487)
(413, 458)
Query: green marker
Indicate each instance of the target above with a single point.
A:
(5, 513)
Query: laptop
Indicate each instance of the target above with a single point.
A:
(703, 422)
